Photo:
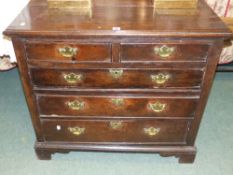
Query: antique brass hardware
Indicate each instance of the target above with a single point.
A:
(116, 73)
(164, 51)
(72, 78)
(151, 131)
(157, 107)
(75, 105)
(76, 130)
(68, 52)
(117, 101)
(116, 124)
(160, 78)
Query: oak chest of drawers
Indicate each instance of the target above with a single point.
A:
(110, 81)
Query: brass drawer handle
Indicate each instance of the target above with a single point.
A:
(117, 101)
(116, 124)
(76, 130)
(75, 105)
(157, 107)
(116, 73)
(151, 131)
(164, 51)
(72, 78)
(68, 52)
(160, 78)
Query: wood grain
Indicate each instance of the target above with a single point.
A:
(103, 106)
(132, 131)
(132, 79)
(85, 52)
(146, 52)
(137, 20)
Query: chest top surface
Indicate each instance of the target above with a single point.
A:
(132, 17)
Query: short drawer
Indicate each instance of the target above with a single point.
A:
(117, 78)
(163, 52)
(68, 52)
(119, 131)
(124, 106)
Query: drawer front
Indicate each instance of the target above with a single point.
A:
(69, 52)
(163, 52)
(104, 106)
(117, 78)
(130, 131)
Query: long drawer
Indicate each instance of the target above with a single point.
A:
(116, 106)
(117, 78)
(139, 52)
(117, 131)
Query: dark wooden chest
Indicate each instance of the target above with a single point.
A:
(122, 78)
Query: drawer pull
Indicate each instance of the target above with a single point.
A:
(72, 78)
(160, 78)
(68, 52)
(157, 107)
(75, 105)
(164, 51)
(117, 101)
(116, 124)
(151, 131)
(116, 73)
(76, 130)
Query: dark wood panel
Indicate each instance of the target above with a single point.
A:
(27, 87)
(137, 52)
(163, 92)
(81, 52)
(132, 20)
(214, 55)
(123, 106)
(130, 131)
(129, 78)
(116, 64)
(186, 154)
